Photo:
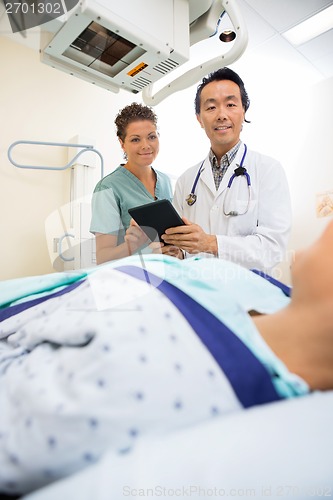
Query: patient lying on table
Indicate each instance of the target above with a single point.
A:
(92, 361)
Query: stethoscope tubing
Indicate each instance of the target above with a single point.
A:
(244, 172)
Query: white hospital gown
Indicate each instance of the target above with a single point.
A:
(95, 369)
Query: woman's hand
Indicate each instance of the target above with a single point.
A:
(173, 251)
(135, 237)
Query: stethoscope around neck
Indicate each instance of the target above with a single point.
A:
(239, 171)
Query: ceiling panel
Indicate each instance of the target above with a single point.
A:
(283, 14)
(267, 19)
(259, 30)
(325, 65)
(319, 47)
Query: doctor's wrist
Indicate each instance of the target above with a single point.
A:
(212, 245)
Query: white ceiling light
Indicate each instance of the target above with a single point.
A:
(312, 27)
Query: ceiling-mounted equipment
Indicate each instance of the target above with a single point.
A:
(134, 43)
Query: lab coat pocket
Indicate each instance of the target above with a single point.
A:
(246, 220)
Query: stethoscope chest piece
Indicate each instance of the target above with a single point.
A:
(191, 199)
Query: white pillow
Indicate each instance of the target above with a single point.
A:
(280, 450)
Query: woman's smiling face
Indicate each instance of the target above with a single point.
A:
(141, 143)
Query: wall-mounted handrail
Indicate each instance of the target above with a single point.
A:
(86, 147)
(61, 254)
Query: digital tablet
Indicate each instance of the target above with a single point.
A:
(154, 218)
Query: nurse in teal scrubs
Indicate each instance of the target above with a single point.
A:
(134, 183)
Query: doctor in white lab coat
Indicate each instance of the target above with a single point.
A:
(257, 236)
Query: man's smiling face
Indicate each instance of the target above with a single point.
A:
(221, 115)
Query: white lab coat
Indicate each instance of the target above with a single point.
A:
(258, 239)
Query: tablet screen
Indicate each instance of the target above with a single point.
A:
(154, 218)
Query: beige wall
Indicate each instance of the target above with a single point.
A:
(40, 103)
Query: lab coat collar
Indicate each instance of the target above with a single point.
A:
(207, 176)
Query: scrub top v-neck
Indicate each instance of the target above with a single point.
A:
(116, 193)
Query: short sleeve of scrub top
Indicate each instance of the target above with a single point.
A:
(116, 193)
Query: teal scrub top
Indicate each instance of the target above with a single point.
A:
(116, 193)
